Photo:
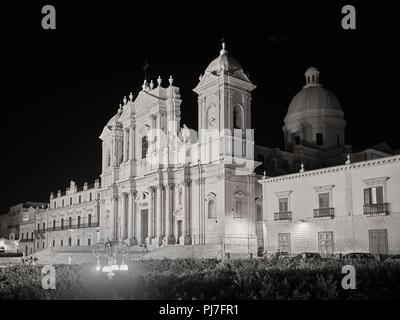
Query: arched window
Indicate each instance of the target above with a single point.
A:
(211, 209)
(11, 236)
(237, 117)
(145, 145)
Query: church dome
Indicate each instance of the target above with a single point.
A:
(224, 64)
(314, 99)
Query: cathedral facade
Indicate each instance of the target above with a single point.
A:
(167, 185)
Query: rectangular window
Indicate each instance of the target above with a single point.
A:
(297, 140)
(80, 199)
(325, 243)
(284, 242)
(54, 243)
(323, 200)
(78, 242)
(38, 226)
(70, 222)
(62, 204)
(62, 223)
(44, 226)
(54, 224)
(55, 204)
(338, 141)
(239, 213)
(22, 236)
(70, 201)
(320, 140)
(37, 245)
(283, 204)
(89, 220)
(43, 245)
(373, 195)
(79, 221)
(90, 196)
(62, 242)
(88, 241)
(27, 235)
(32, 235)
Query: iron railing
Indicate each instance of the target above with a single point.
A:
(376, 208)
(283, 215)
(324, 212)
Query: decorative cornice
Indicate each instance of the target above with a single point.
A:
(375, 181)
(326, 188)
(341, 168)
(283, 194)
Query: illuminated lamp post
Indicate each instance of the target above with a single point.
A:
(111, 250)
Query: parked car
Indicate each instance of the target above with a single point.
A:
(394, 258)
(307, 256)
(359, 256)
(278, 255)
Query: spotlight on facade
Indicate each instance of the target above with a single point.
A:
(98, 268)
(114, 267)
(107, 269)
(301, 221)
(123, 267)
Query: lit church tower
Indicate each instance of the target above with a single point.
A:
(226, 176)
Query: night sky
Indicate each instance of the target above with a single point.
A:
(60, 87)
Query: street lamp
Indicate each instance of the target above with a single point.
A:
(111, 250)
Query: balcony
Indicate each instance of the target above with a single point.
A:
(74, 226)
(376, 208)
(27, 240)
(283, 215)
(324, 212)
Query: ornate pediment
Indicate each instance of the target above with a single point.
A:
(178, 213)
(142, 196)
(326, 188)
(375, 181)
(211, 196)
(240, 195)
(283, 194)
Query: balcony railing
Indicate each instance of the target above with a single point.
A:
(74, 226)
(283, 215)
(324, 212)
(376, 208)
(27, 240)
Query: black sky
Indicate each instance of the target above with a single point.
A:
(61, 86)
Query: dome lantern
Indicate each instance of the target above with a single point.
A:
(312, 77)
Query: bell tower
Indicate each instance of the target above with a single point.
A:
(224, 95)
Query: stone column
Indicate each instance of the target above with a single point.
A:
(130, 207)
(159, 215)
(168, 215)
(150, 215)
(115, 233)
(132, 144)
(184, 208)
(124, 158)
(133, 218)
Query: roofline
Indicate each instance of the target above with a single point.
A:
(367, 163)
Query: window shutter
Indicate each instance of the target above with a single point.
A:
(367, 196)
(379, 194)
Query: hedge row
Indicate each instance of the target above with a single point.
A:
(206, 279)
